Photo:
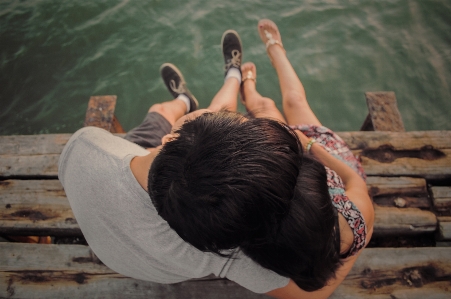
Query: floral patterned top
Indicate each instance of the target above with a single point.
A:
(338, 148)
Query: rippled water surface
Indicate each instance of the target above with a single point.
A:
(55, 54)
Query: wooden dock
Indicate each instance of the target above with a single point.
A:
(409, 179)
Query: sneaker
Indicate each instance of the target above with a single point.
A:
(232, 50)
(175, 83)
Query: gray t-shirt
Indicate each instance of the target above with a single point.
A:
(122, 226)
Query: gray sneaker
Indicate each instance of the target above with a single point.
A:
(175, 83)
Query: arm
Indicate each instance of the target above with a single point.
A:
(355, 186)
(357, 191)
(292, 291)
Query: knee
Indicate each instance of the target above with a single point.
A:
(157, 108)
(266, 104)
(293, 99)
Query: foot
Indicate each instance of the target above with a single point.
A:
(232, 50)
(175, 83)
(249, 71)
(269, 34)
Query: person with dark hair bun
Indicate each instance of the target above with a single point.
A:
(330, 217)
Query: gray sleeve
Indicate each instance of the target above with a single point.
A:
(66, 150)
(247, 273)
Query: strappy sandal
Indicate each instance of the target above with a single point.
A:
(265, 35)
(249, 76)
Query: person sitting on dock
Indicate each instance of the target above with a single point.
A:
(330, 219)
(205, 171)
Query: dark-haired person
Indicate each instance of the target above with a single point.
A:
(206, 171)
(319, 240)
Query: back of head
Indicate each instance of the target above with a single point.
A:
(225, 179)
(303, 247)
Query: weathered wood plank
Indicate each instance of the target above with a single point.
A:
(46, 166)
(444, 228)
(20, 145)
(36, 207)
(414, 140)
(54, 271)
(425, 154)
(427, 168)
(383, 112)
(441, 197)
(402, 192)
(29, 166)
(40, 207)
(405, 221)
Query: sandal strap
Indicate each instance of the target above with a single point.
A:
(249, 76)
(271, 41)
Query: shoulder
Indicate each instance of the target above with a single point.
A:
(92, 146)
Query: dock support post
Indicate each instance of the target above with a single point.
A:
(100, 113)
(383, 112)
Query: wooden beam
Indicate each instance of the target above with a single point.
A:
(441, 198)
(408, 141)
(405, 221)
(53, 271)
(40, 207)
(439, 168)
(36, 207)
(383, 112)
(421, 154)
(401, 192)
(444, 228)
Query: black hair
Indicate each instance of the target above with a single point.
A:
(225, 179)
(304, 246)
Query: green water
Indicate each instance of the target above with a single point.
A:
(55, 54)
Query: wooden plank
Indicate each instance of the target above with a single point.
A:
(444, 228)
(32, 155)
(383, 112)
(429, 169)
(40, 207)
(22, 145)
(53, 271)
(45, 166)
(36, 207)
(100, 112)
(405, 221)
(415, 140)
(402, 192)
(441, 198)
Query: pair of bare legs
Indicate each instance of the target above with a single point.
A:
(224, 99)
(294, 101)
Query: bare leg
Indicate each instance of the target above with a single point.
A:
(226, 98)
(171, 110)
(295, 105)
(257, 104)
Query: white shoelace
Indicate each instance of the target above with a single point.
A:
(177, 89)
(235, 61)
